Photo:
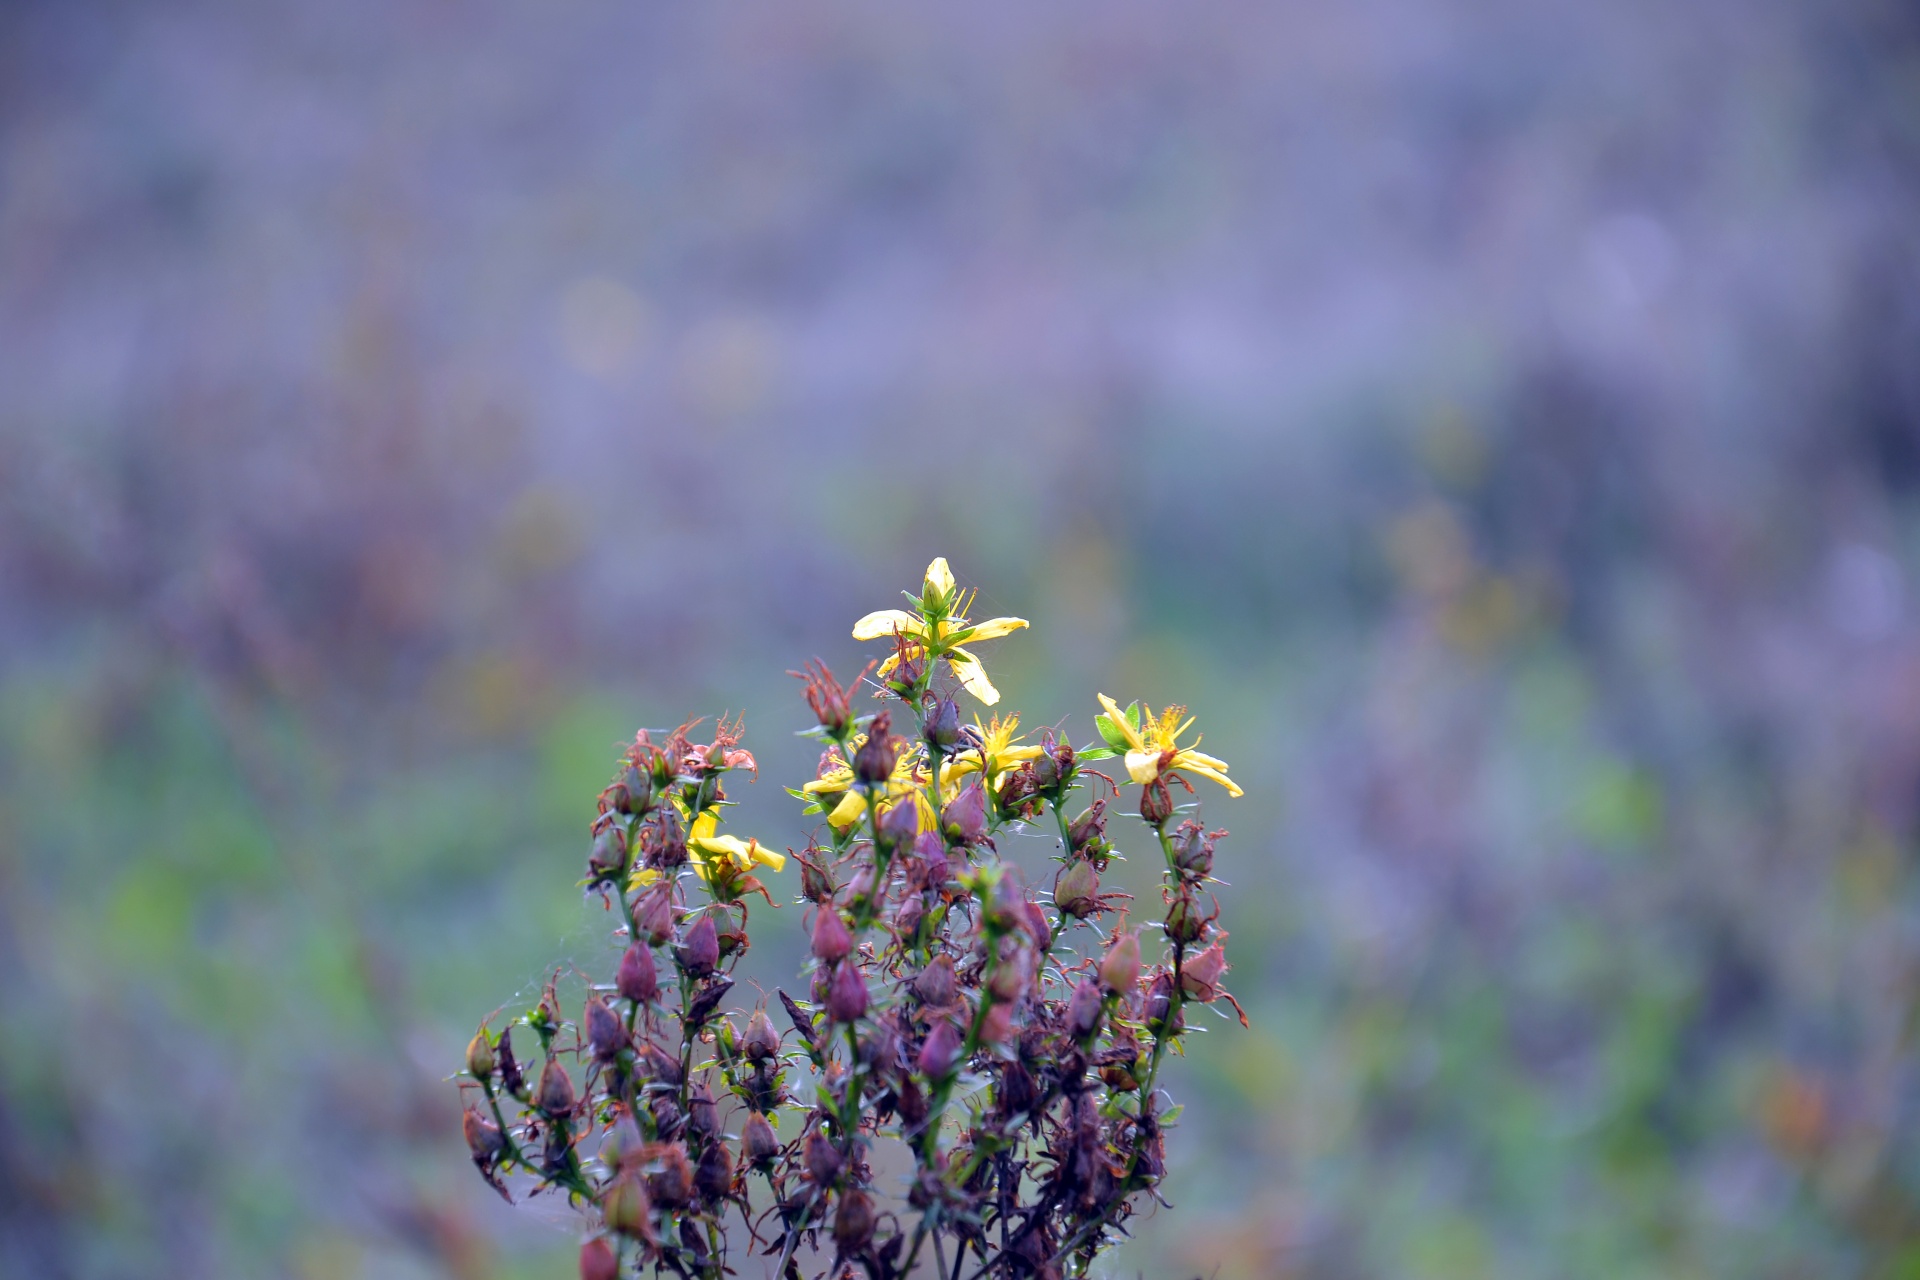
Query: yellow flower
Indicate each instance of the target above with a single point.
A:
(999, 752)
(746, 854)
(939, 628)
(906, 780)
(1153, 749)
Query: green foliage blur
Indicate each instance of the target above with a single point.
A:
(1500, 425)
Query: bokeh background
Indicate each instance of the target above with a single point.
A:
(1498, 419)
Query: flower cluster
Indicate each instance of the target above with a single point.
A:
(1008, 1040)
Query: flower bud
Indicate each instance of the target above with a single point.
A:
(611, 856)
(831, 941)
(480, 1056)
(762, 1041)
(713, 1176)
(604, 1030)
(598, 1261)
(940, 1051)
(942, 728)
(823, 1159)
(964, 820)
(1076, 890)
(1084, 1008)
(759, 1146)
(700, 953)
(637, 979)
(483, 1136)
(873, 762)
(853, 1224)
(634, 792)
(1120, 967)
(846, 993)
(653, 915)
(554, 1096)
(624, 1206)
(1156, 804)
(935, 985)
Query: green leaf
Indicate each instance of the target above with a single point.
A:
(1095, 753)
(1111, 732)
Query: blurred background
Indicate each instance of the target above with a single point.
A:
(1498, 420)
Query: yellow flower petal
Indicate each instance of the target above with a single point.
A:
(838, 780)
(1207, 771)
(991, 629)
(883, 623)
(1120, 722)
(1143, 766)
(940, 578)
(848, 811)
(972, 676)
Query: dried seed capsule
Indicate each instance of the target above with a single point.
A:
(672, 1185)
(1161, 1017)
(762, 1041)
(611, 856)
(908, 917)
(1200, 975)
(634, 791)
(480, 1056)
(823, 1159)
(605, 1032)
(713, 1176)
(621, 1149)
(653, 915)
(637, 979)
(624, 1206)
(831, 941)
(700, 953)
(1193, 851)
(1185, 922)
(1156, 804)
(1018, 1091)
(759, 1146)
(555, 1095)
(942, 728)
(484, 1138)
(846, 993)
(703, 1117)
(510, 1078)
(1120, 967)
(873, 762)
(935, 985)
(900, 823)
(853, 1224)
(912, 1103)
(816, 882)
(1083, 1010)
(932, 850)
(598, 1261)
(1076, 890)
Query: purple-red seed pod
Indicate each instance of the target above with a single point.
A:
(942, 728)
(1084, 1010)
(1200, 976)
(900, 823)
(703, 1116)
(762, 1040)
(932, 850)
(964, 820)
(1156, 803)
(637, 979)
(555, 1092)
(935, 985)
(853, 1224)
(1159, 1014)
(713, 1176)
(759, 1146)
(624, 1205)
(653, 915)
(1038, 927)
(1185, 923)
(610, 856)
(621, 1149)
(997, 1026)
(598, 1261)
(912, 1103)
(634, 792)
(940, 1052)
(605, 1032)
(673, 1184)
(700, 953)
(831, 941)
(873, 762)
(846, 993)
(1120, 967)
(1193, 851)
(1091, 825)
(1076, 890)
(909, 915)
(816, 882)
(1012, 977)
(823, 1159)
(483, 1136)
